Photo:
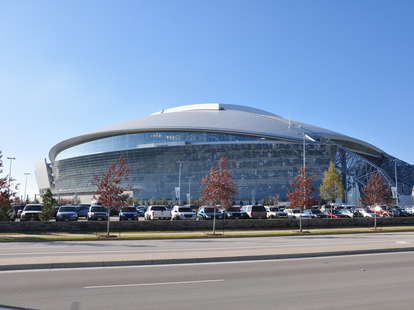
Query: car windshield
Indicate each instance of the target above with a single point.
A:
(273, 209)
(296, 211)
(129, 209)
(258, 209)
(185, 210)
(83, 208)
(316, 211)
(209, 210)
(158, 208)
(67, 209)
(33, 208)
(98, 209)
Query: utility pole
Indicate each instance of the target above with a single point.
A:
(180, 164)
(25, 186)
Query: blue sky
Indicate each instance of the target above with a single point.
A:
(69, 67)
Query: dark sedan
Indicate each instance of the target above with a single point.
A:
(233, 213)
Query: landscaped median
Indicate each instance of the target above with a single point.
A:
(184, 226)
(62, 236)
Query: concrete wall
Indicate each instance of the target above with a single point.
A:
(84, 227)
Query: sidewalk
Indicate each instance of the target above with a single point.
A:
(71, 254)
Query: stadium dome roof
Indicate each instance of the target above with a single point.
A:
(220, 118)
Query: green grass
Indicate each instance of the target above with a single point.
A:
(197, 234)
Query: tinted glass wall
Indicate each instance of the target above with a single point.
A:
(145, 139)
(260, 169)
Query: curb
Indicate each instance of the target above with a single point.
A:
(40, 239)
(200, 260)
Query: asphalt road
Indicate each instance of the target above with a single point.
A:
(375, 281)
(101, 251)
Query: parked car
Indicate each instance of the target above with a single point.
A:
(128, 214)
(366, 212)
(208, 213)
(193, 207)
(343, 213)
(83, 210)
(16, 210)
(379, 210)
(254, 211)
(182, 213)
(67, 213)
(274, 212)
(398, 212)
(31, 212)
(328, 215)
(295, 213)
(289, 213)
(309, 213)
(141, 210)
(233, 213)
(97, 213)
(409, 210)
(157, 212)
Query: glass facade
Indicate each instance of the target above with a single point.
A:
(148, 139)
(259, 169)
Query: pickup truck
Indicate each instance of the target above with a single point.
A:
(157, 212)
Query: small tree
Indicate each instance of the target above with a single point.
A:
(110, 192)
(300, 196)
(6, 195)
(48, 204)
(331, 187)
(218, 187)
(376, 191)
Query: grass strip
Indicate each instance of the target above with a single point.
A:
(198, 234)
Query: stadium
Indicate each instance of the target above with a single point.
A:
(168, 152)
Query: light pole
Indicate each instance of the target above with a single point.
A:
(180, 164)
(396, 182)
(189, 190)
(25, 185)
(10, 171)
(303, 182)
(305, 136)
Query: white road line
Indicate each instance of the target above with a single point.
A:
(153, 284)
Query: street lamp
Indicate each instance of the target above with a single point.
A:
(189, 190)
(396, 182)
(180, 164)
(10, 171)
(25, 185)
(305, 136)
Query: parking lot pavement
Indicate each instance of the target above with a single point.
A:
(59, 252)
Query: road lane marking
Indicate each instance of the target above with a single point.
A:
(402, 242)
(153, 284)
